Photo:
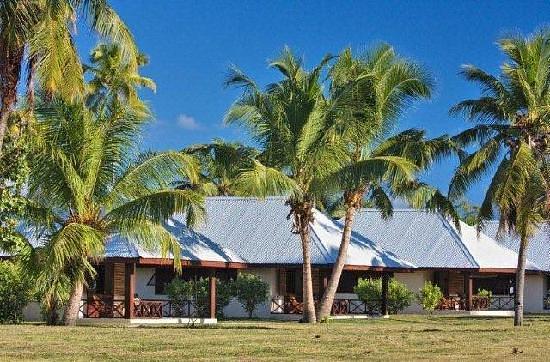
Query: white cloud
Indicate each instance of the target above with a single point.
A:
(188, 122)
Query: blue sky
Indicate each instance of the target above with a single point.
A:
(191, 44)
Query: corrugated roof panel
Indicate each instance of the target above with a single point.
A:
(425, 239)
(538, 250)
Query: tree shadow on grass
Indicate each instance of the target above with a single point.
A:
(201, 326)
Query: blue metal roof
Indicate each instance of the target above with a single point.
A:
(538, 250)
(425, 239)
(258, 232)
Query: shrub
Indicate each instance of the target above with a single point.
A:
(15, 292)
(180, 292)
(484, 293)
(250, 291)
(370, 292)
(429, 296)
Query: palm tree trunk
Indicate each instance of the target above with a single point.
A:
(10, 70)
(520, 281)
(309, 302)
(71, 311)
(352, 200)
(302, 216)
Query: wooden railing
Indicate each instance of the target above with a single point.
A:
(495, 302)
(102, 306)
(290, 305)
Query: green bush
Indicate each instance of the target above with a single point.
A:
(370, 292)
(15, 292)
(429, 296)
(180, 291)
(250, 291)
(484, 293)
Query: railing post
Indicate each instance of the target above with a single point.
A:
(212, 295)
(385, 288)
(129, 289)
(469, 286)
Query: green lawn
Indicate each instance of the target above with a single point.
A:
(400, 337)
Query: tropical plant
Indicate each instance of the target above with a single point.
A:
(13, 173)
(512, 131)
(87, 185)
(15, 292)
(250, 291)
(429, 296)
(367, 96)
(370, 292)
(39, 34)
(181, 292)
(115, 80)
(221, 165)
(287, 121)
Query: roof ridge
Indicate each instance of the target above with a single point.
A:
(244, 198)
(457, 236)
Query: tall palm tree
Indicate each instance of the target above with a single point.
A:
(115, 78)
(39, 33)
(512, 131)
(222, 165)
(286, 120)
(368, 94)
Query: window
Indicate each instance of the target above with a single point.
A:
(163, 276)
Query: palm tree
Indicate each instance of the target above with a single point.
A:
(368, 94)
(115, 79)
(86, 179)
(512, 131)
(286, 120)
(40, 34)
(222, 165)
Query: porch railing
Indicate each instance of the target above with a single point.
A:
(102, 306)
(495, 302)
(106, 306)
(290, 305)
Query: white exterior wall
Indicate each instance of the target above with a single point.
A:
(534, 293)
(414, 281)
(144, 291)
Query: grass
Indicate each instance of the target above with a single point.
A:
(400, 337)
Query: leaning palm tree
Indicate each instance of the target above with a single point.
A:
(87, 185)
(286, 121)
(368, 94)
(512, 130)
(40, 34)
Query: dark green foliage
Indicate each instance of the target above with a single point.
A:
(15, 292)
(429, 296)
(180, 292)
(250, 291)
(13, 170)
(370, 292)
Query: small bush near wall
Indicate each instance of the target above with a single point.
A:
(429, 296)
(180, 292)
(15, 292)
(370, 292)
(250, 291)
